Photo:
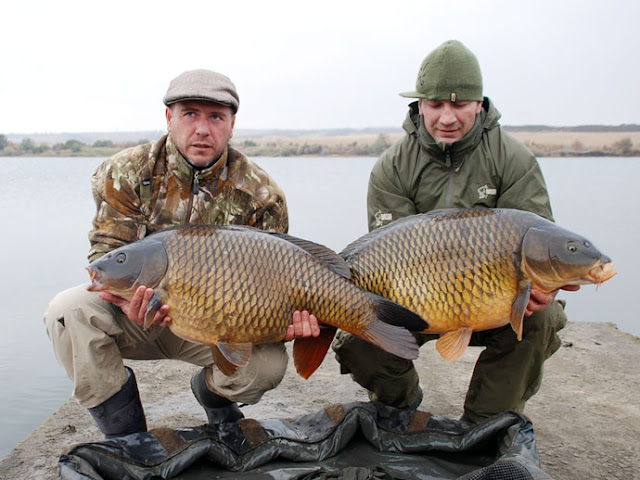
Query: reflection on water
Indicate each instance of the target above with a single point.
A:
(47, 208)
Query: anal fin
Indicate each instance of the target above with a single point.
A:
(309, 352)
(453, 344)
(231, 356)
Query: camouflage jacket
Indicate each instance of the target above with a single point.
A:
(151, 187)
(486, 168)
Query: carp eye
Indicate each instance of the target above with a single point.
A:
(572, 248)
(121, 258)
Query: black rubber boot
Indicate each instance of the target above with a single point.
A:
(467, 422)
(392, 418)
(122, 414)
(218, 409)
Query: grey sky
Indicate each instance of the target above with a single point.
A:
(76, 66)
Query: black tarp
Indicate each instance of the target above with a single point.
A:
(342, 441)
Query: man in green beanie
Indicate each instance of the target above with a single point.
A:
(455, 155)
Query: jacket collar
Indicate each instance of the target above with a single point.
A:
(184, 169)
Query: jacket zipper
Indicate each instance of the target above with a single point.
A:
(195, 188)
(450, 179)
(196, 183)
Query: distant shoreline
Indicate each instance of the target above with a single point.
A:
(587, 141)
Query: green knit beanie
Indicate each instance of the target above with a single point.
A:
(450, 72)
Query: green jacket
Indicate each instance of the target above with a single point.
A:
(151, 187)
(487, 168)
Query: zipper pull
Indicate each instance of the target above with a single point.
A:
(448, 158)
(196, 184)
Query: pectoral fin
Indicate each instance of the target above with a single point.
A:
(517, 309)
(453, 344)
(154, 305)
(231, 356)
(308, 353)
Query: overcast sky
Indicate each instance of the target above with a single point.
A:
(80, 66)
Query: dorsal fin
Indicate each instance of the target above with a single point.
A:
(324, 254)
(398, 224)
(359, 243)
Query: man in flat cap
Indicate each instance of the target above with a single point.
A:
(190, 176)
(455, 155)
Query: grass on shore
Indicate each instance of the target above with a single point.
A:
(556, 143)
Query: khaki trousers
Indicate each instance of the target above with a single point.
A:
(91, 337)
(506, 375)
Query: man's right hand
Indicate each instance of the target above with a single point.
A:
(136, 308)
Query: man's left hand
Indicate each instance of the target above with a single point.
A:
(303, 325)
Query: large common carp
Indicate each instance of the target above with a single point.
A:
(465, 270)
(235, 286)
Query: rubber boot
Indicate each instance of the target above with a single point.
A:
(219, 409)
(121, 414)
(393, 418)
(467, 422)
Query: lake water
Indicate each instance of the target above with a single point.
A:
(47, 208)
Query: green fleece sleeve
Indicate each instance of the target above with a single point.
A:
(523, 185)
(386, 197)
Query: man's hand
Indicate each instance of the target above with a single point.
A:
(136, 308)
(538, 301)
(303, 325)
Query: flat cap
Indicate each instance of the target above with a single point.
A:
(203, 85)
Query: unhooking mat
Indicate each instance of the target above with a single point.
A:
(343, 441)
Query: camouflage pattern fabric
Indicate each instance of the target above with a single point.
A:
(147, 188)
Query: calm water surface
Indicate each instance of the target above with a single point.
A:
(47, 208)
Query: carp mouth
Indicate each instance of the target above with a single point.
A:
(95, 277)
(602, 272)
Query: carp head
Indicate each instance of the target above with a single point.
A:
(554, 257)
(123, 270)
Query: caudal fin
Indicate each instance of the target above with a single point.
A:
(391, 329)
(396, 340)
(395, 314)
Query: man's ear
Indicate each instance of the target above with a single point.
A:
(168, 114)
(233, 124)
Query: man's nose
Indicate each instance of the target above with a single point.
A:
(447, 115)
(202, 127)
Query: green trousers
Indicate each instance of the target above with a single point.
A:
(508, 372)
